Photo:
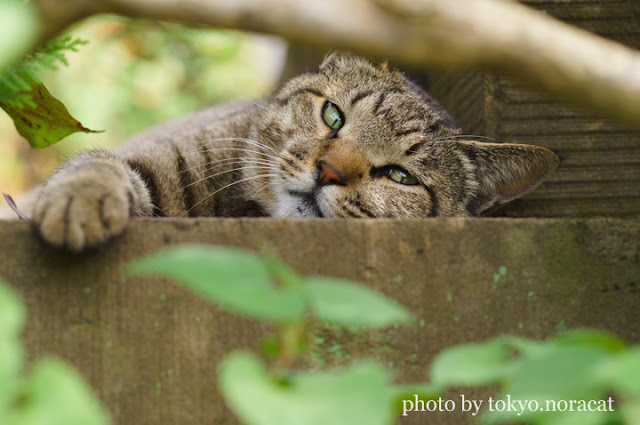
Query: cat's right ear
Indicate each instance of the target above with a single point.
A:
(503, 171)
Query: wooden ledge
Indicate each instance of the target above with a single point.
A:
(150, 348)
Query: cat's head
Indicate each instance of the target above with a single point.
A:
(357, 139)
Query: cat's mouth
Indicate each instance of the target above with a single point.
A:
(308, 205)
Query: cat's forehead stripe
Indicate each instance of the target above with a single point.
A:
(379, 102)
(408, 131)
(414, 148)
(298, 92)
(361, 95)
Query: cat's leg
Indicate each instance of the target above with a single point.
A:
(88, 201)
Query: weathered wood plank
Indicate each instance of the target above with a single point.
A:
(150, 348)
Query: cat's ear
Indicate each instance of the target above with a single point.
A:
(504, 171)
(335, 58)
(343, 60)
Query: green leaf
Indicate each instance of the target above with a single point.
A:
(45, 120)
(18, 28)
(424, 392)
(282, 273)
(348, 304)
(523, 346)
(358, 394)
(11, 355)
(575, 417)
(622, 372)
(236, 279)
(558, 373)
(12, 315)
(630, 412)
(12, 312)
(590, 337)
(471, 364)
(56, 395)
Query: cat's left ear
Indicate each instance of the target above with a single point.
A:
(504, 171)
(343, 59)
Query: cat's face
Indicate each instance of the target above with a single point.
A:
(359, 140)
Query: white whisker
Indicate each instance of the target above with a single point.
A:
(232, 184)
(255, 143)
(264, 186)
(469, 136)
(239, 150)
(244, 140)
(225, 172)
(257, 103)
(235, 149)
(243, 162)
(155, 207)
(223, 161)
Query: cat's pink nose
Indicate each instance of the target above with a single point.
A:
(327, 174)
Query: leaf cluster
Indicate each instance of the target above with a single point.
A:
(579, 365)
(265, 288)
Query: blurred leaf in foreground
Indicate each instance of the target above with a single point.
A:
(268, 289)
(55, 394)
(12, 316)
(470, 364)
(349, 304)
(238, 280)
(358, 394)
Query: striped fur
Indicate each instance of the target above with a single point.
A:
(279, 155)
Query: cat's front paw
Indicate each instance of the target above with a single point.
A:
(82, 212)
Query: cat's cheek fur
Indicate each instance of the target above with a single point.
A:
(395, 205)
(327, 198)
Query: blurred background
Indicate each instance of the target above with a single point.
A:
(134, 74)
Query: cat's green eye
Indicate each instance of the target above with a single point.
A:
(332, 116)
(399, 175)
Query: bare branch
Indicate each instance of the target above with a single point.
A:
(505, 36)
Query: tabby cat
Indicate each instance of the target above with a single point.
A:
(353, 139)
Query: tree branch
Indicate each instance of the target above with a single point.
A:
(566, 62)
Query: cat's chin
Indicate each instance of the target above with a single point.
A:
(298, 204)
